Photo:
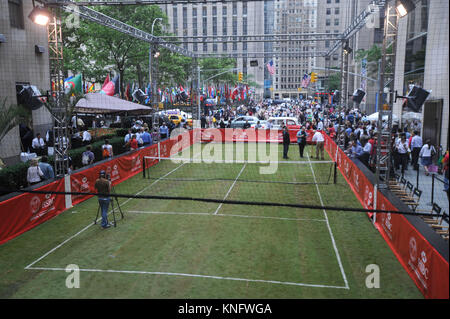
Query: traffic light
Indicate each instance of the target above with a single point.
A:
(240, 76)
(313, 77)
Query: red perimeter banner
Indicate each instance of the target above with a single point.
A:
(249, 135)
(427, 268)
(22, 213)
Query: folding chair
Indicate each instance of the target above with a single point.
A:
(436, 210)
(439, 228)
(414, 200)
(400, 190)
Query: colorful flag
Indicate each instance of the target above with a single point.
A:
(271, 67)
(73, 84)
(106, 81)
(305, 80)
(110, 87)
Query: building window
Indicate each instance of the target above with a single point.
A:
(234, 8)
(336, 21)
(328, 11)
(16, 13)
(224, 46)
(336, 11)
(224, 26)
(327, 22)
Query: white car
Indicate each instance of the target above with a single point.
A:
(279, 122)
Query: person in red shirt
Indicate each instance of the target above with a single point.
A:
(133, 143)
(331, 131)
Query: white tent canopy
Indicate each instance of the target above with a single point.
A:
(101, 103)
(411, 116)
(374, 117)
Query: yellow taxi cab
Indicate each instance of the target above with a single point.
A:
(176, 119)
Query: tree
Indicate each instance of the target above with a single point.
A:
(12, 115)
(94, 50)
(213, 66)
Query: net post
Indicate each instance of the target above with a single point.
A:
(143, 166)
(335, 173)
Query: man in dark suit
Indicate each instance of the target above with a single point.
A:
(286, 142)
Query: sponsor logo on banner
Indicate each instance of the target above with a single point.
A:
(347, 168)
(368, 197)
(40, 208)
(386, 222)
(356, 180)
(35, 204)
(418, 263)
(135, 163)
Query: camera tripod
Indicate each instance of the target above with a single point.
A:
(113, 208)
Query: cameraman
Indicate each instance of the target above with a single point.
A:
(103, 186)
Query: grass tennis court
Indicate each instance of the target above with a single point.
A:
(192, 249)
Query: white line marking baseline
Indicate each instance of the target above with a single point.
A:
(193, 275)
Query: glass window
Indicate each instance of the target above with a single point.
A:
(16, 14)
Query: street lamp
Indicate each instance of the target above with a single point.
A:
(155, 55)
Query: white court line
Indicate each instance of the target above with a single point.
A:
(232, 185)
(73, 236)
(329, 229)
(194, 275)
(225, 215)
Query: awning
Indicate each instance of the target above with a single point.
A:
(105, 104)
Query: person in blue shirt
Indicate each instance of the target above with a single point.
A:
(355, 150)
(146, 137)
(46, 168)
(164, 131)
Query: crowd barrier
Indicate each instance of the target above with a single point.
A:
(25, 211)
(249, 135)
(424, 264)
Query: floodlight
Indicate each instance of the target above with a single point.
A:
(40, 16)
(403, 7)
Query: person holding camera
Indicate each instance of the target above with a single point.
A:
(103, 186)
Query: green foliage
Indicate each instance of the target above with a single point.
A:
(334, 81)
(95, 50)
(15, 176)
(12, 115)
(212, 66)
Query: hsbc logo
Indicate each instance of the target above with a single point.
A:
(35, 205)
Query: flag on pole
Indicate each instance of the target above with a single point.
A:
(305, 80)
(106, 81)
(270, 67)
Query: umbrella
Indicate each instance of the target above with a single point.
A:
(374, 117)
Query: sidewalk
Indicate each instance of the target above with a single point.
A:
(425, 184)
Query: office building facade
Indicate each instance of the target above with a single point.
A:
(23, 60)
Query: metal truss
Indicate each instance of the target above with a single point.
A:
(59, 112)
(112, 23)
(255, 38)
(357, 24)
(137, 2)
(262, 54)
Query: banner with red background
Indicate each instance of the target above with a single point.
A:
(24, 212)
(427, 268)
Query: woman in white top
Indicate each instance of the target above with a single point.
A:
(426, 154)
(34, 173)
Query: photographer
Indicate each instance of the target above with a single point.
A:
(103, 186)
